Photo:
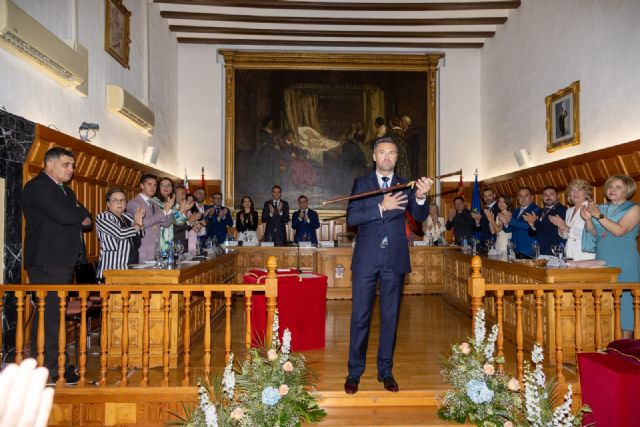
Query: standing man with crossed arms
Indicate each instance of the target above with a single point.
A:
(381, 253)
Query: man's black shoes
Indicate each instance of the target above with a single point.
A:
(351, 385)
(389, 383)
(70, 375)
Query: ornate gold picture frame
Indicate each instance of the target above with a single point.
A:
(333, 64)
(117, 31)
(563, 117)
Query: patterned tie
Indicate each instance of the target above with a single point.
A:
(62, 188)
(385, 182)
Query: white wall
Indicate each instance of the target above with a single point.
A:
(201, 113)
(26, 92)
(544, 46)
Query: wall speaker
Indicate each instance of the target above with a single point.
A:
(151, 155)
(522, 157)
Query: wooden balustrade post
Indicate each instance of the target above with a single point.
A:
(559, 353)
(476, 289)
(104, 335)
(186, 338)
(539, 295)
(519, 336)
(19, 326)
(271, 296)
(82, 355)
(597, 311)
(144, 382)
(124, 340)
(227, 326)
(247, 320)
(1, 329)
(636, 313)
(500, 321)
(40, 298)
(207, 337)
(617, 326)
(577, 298)
(166, 297)
(62, 338)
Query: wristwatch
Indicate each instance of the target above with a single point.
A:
(601, 216)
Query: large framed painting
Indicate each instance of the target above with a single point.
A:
(563, 117)
(306, 122)
(117, 31)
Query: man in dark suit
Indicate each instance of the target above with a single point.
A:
(542, 229)
(275, 214)
(218, 219)
(519, 224)
(305, 221)
(381, 253)
(482, 223)
(53, 243)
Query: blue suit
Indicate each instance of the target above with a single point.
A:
(546, 232)
(307, 227)
(218, 227)
(521, 233)
(373, 261)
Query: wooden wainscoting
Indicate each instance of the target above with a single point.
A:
(96, 171)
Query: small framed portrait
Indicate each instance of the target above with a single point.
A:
(563, 117)
(117, 31)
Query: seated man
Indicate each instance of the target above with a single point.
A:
(305, 221)
(461, 221)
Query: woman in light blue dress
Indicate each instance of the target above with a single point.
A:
(611, 231)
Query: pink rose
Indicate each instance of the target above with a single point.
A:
(287, 366)
(283, 390)
(465, 348)
(237, 413)
(513, 384)
(507, 424)
(489, 369)
(272, 355)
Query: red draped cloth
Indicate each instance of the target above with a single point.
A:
(302, 308)
(611, 387)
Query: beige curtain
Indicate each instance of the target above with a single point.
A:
(309, 104)
(373, 98)
(291, 102)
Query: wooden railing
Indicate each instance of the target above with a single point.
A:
(39, 292)
(479, 292)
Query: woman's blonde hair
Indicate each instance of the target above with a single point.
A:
(580, 185)
(628, 182)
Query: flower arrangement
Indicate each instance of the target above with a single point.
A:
(481, 393)
(270, 388)
(491, 398)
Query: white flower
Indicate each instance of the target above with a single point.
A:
(513, 384)
(507, 424)
(275, 330)
(287, 366)
(537, 355)
(562, 416)
(480, 330)
(229, 379)
(491, 343)
(286, 341)
(211, 418)
(272, 355)
(465, 348)
(489, 369)
(237, 413)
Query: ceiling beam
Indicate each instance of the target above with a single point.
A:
(330, 33)
(221, 17)
(351, 6)
(328, 43)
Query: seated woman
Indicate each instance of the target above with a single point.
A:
(579, 192)
(497, 224)
(117, 233)
(434, 226)
(247, 221)
(611, 231)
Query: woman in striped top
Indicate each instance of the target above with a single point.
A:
(117, 233)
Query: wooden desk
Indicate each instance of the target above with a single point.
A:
(457, 268)
(216, 270)
(335, 263)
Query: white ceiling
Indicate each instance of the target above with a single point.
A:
(402, 25)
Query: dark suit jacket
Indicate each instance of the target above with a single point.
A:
(485, 228)
(275, 225)
(519, 229)
(53, 234)
(546, 232)
(304, 227)
(218, 227)
(372, 228)
(463, 226)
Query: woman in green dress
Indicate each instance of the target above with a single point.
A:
(610, 231)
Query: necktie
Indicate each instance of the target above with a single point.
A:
(62, 188)
(153, 210)
(385, 182)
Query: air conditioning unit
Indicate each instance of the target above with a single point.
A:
(30, 41)
(128, 107)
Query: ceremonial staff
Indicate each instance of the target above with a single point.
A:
(388, 189)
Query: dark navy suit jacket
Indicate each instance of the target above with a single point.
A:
(304, 227)
(372, 228)
(546, 232)
(485, 228)
(218, 227)
(519, 229)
